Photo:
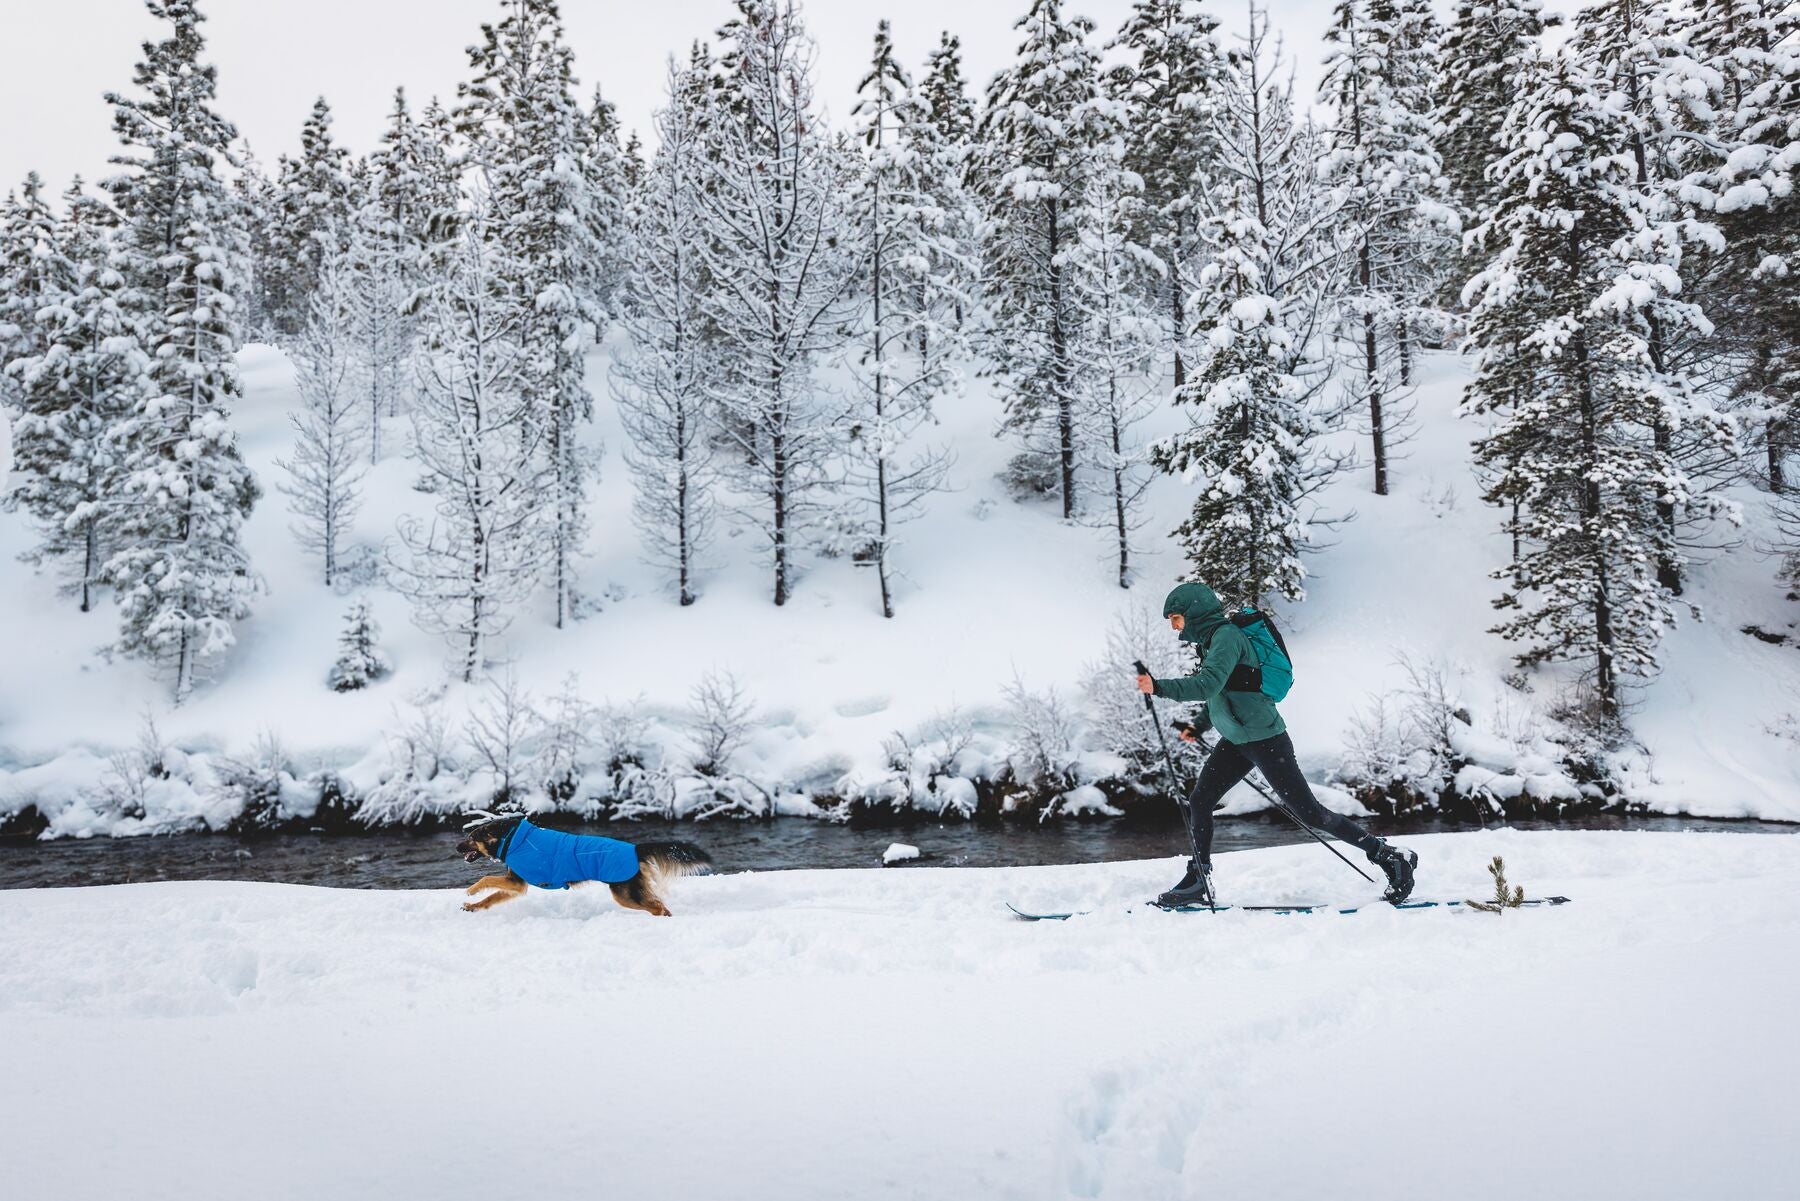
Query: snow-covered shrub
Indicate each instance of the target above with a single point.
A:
(259, 788)
(720, 716)
(1031, 476)
(1117, 719)
(923, 768)
(360, 661)
(1044, 733)
(565, 741)
(503, 730)
(129, 773)
(1403, 752)
(422, 781)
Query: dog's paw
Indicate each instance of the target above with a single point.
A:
(471, 907)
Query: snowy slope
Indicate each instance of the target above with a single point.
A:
(991, 588)
(888, 1034)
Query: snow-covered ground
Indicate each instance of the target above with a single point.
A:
(888, 1034)
(991, 589)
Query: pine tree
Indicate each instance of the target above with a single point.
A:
(1390, 187)
(77, 390)
(1480, 58)
(523, 125)
(254, 194)
(1269, 234)
(1565, 368)
(660, 384)
(775, 251)
(608, 169)
(181, 576)
(946, 141)
(1247, 445)
(325, 466)
(479, 445)
(904, 237)
(1169, 88)
(360, 661)
(1734, 92)
(1036, 143)
(311, 214)
(1117, 353)
(1628, 44)
(30, 267)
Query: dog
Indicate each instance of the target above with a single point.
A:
(539, 858)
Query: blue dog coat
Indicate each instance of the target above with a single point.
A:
(551, 859)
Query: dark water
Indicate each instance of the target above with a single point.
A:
(415, 859)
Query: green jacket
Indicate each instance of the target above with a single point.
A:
(1238, 716)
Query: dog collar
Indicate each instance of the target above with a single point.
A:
(507, 843)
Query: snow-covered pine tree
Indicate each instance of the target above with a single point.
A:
(180, 574)
(945, 92)
(311, 215)
(660, 383)
(1118, 351)
(254, 193)
(1169, 85)
(381, 331)
(1391, 189)
(1037, 151)
(608, 168)
(1736, 86)
(948, 145)
(905, 237)
(1564, 370)
(776, 252)
(30, 278)
(75, 391)
(1270, 237)
(1247, 447)
(479, 446)
(325, 468)
(360, 661)
(523, 126)
(1629, 45)
(1480, 56)
(1479, 59)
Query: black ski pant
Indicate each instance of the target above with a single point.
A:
(1230, 762)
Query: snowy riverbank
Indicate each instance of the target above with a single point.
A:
(859, 1034)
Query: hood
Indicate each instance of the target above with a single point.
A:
(1201, 608)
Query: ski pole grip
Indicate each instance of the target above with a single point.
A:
(1141, 669)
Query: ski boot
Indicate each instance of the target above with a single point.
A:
(1195, 890)
(1398, 863)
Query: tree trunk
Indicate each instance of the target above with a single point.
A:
(1773, 434)
(1060, 370)
(1371, 372)
(90, 548)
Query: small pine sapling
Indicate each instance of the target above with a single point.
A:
(360, 661)
(1503, 900)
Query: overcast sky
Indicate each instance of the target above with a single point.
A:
(275, 56)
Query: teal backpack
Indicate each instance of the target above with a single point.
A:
(1274, 675)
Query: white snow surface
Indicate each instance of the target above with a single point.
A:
(988, 588)
(867, 1034)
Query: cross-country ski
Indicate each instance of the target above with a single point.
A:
(1155, 908)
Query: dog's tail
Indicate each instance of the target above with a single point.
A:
(672, 860)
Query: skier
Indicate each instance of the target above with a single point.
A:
(1251, 734)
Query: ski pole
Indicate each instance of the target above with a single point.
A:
(1150, 708)
(1295, 818)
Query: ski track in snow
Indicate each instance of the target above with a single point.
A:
(888, 1034)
